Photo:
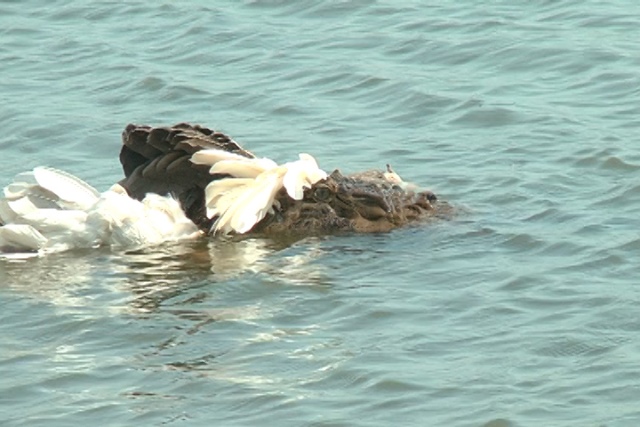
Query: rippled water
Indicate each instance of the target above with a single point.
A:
(522, 311)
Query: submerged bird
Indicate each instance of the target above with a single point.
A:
(186, 180)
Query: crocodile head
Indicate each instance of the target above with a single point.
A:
(363, 202)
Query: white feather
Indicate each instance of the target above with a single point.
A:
(243, 200)
(216, 190)
(294, 181)
(131, 223)
(212, 156)
(7, 215)
(247, 208)
(309, 159)
(67, 187)
(49, 210)
(167, 216)
(17, 189)
(227, 200)
(255, 205)
(31, 202)
(20, 237)
(314, 173)
(54, 220)
(245, 168)
(21, 182)
(302, 174)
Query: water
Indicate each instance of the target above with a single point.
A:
(522, 311)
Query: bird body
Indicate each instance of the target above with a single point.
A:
(47, 210)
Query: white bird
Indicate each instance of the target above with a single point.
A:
(48, 210)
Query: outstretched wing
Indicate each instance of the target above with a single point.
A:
(158, 160)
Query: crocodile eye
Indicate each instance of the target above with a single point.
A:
(322, 194)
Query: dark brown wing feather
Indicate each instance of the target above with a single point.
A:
(157, 160)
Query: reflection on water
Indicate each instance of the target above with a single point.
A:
(220, 306)
(62, 279)
(220, 309)
(154, 275)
